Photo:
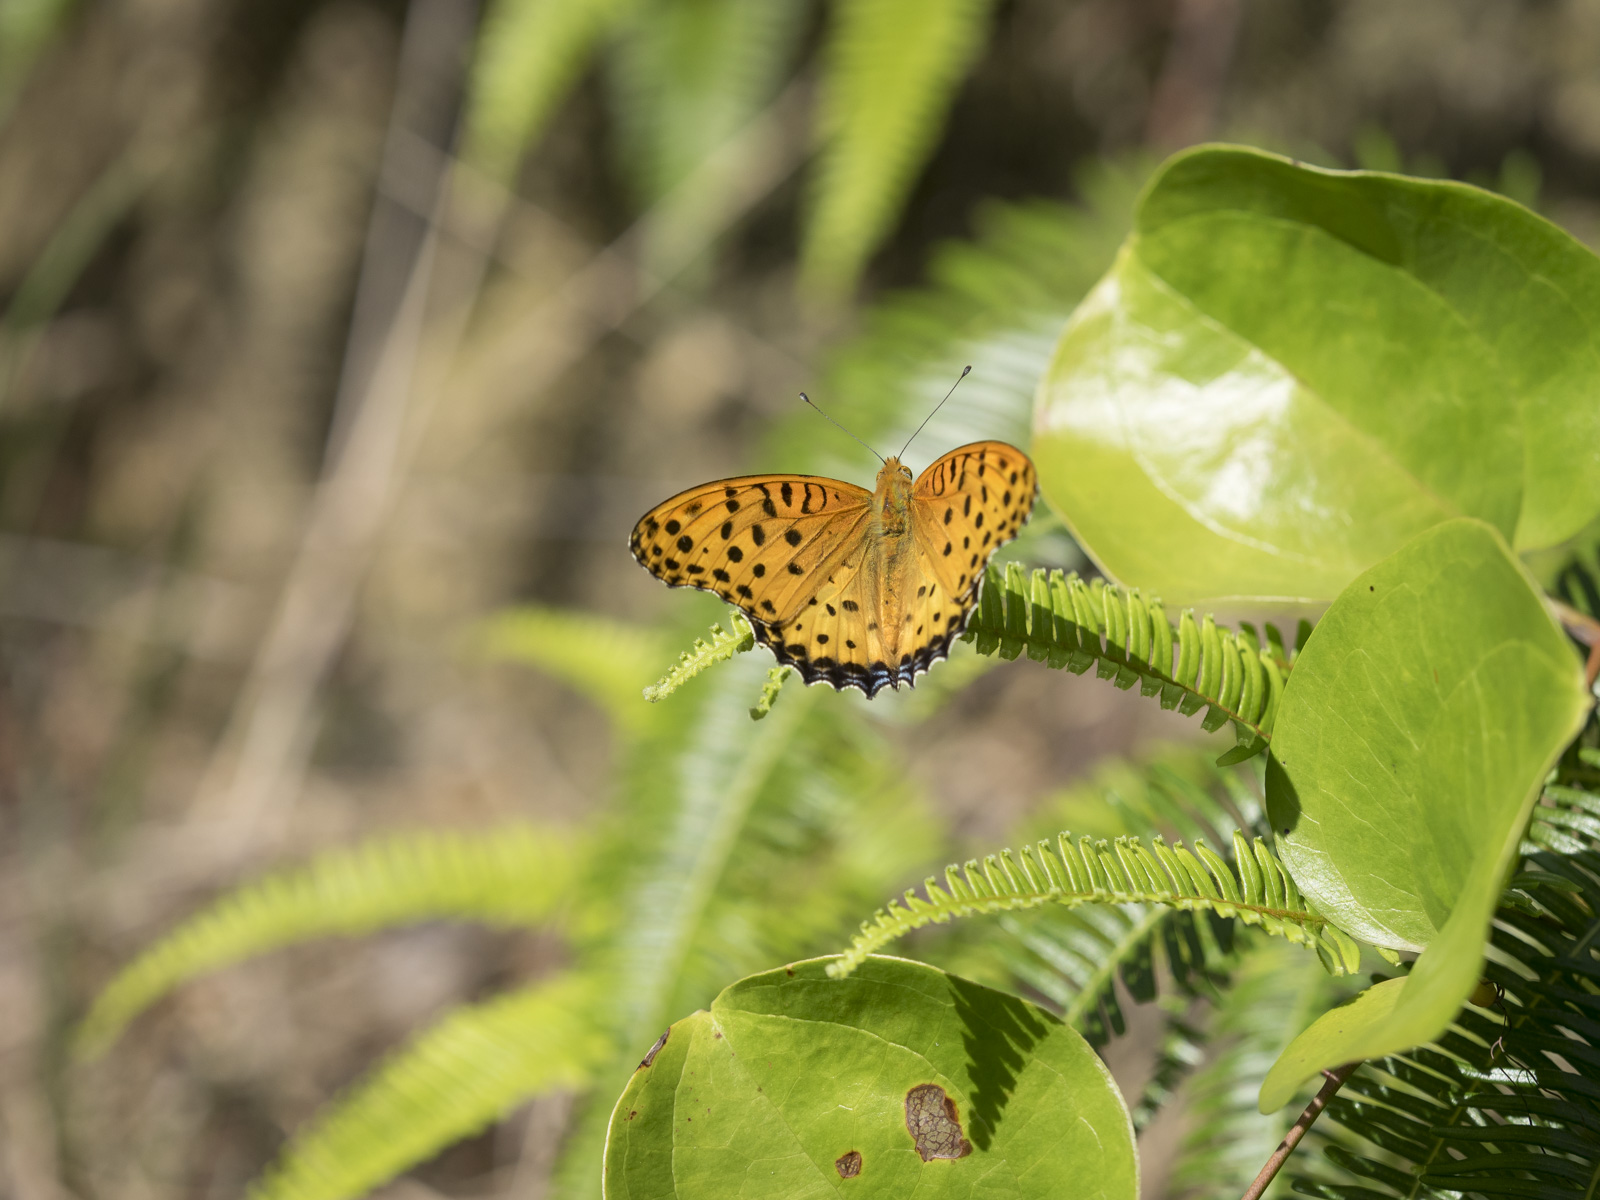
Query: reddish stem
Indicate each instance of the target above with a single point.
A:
(1586, 630)
(1292, 1138)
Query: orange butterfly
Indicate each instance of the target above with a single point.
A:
(852, 588)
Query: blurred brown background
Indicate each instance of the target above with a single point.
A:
(272, 437)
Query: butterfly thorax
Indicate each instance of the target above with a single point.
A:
(891, 503)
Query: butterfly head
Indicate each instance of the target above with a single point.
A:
(893, 498)
(892, 468)
(894, 475)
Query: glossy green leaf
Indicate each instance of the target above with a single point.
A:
(796, 1085)
(1412, 741)
(1289, 372)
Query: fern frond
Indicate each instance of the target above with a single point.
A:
(997, 302)
(687, 77)
(720, 771)
(1255, 889)
(603, 659)
(452, 1081)
(769, 692)
(761, 843)
(1060, 620)
(1182, 1049)
(891, 71)
(737, 639)
(1073, 957)
(517, 875)
(1274, 993)
(529, 53)
(1506, 1103)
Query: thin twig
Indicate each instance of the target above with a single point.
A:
(1292, 1138)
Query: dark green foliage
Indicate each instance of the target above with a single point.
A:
(1506, 1104)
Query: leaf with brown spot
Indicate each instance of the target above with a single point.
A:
(931, 1085)
(934, 1123)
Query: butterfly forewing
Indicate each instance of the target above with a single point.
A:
(761, 542)
(967, 505)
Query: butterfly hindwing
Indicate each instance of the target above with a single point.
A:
(967, 505)
(845, 647)
(761, 542)
(834, 637)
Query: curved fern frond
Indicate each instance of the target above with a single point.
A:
(1072, 958)
(1061, 620)
(516, 875)
(724, 644)
(1506, 1102)
(891, 71)
(452, 1081)
(529, 53)
(1255, 889)
(769, 692)
(603, 659)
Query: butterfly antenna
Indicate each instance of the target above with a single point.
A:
(836, 425)
(965, 371)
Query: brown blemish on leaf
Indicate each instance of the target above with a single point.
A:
(934, 1123)
(632, 1113)
(789, 971)
(656, 1049)
(848, 1164)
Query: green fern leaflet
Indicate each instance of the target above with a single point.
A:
(1254, 889)
(510, 876)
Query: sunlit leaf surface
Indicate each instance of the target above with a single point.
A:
(1289, 372)
(900, 1080)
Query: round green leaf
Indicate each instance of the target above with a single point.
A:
(898, 1080)
(1411, 743)
(1289, 372)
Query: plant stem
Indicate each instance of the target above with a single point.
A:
(1292, 1138)
(1587, 630)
